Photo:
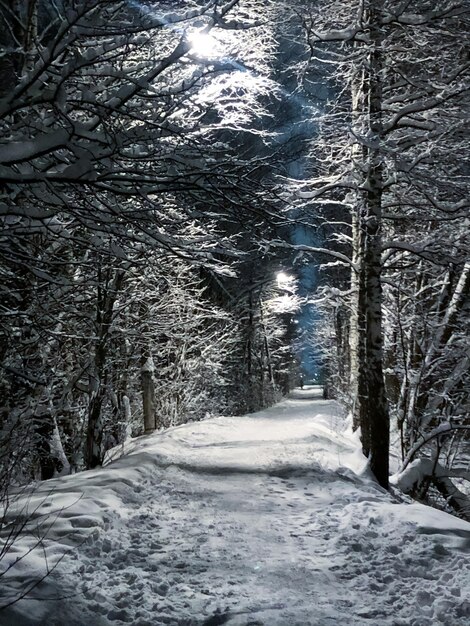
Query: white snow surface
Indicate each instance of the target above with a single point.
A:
(269, 519)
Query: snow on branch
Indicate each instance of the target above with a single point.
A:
(313, 250)
(444, 429)
(410, 479)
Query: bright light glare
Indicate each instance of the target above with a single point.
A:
(283, 280)
(204, 45)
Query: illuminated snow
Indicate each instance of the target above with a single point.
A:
(269, 519)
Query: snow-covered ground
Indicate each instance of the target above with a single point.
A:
(264, 520)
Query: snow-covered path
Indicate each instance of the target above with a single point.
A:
(261, 520)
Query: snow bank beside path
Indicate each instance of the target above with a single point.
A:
(285, 437)
(269, 519)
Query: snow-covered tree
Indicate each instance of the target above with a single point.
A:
(390, 150)
(110, 154)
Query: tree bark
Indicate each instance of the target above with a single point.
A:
(108, 289)
(371, 410)
(148, 393)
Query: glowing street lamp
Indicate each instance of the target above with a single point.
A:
(284, 281)
(204, 45)
(288, 302)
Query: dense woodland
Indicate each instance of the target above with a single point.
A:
(162, 163)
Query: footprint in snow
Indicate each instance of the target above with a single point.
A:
(217, 619)
(121, 615)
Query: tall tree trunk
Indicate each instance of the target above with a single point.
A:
(94, 440)
(148, 392)
(372, 407)
(354, 335)
(357, 327)
(108, 289)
